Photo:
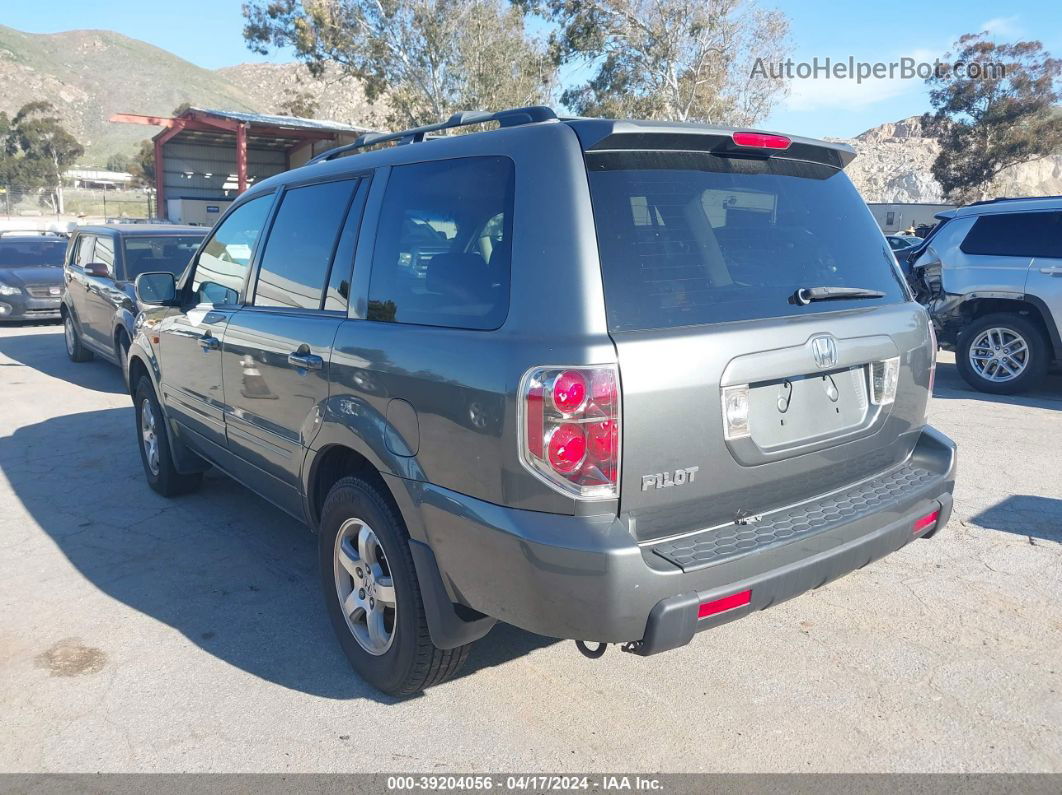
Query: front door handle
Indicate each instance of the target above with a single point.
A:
(208, 342)
(305, 361)
(1054, 270)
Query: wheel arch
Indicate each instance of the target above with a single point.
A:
(1029, 307)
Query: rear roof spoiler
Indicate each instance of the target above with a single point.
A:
(601, 135)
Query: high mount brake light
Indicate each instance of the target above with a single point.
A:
(761, 140)
(570, 429)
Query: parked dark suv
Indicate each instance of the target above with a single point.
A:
(99, 303)
(608, 381)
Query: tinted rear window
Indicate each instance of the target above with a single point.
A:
(164, 253)
(29, 253)
(1016, 235)
(688, 238)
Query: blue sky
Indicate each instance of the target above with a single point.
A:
(208, 33)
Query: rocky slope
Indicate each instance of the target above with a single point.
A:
(894, 162)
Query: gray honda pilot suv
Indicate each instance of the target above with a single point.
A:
(611, 381)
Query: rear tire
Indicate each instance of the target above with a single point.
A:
(154, 444)
(361, 529)
(993, 347)
(74, 349)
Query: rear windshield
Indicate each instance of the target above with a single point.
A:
(164, 253)
(688, 238)
(30, 253)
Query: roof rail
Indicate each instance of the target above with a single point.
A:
(1011, 199)
(31, 232)
(505, 118)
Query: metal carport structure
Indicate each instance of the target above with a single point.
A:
(210, 155)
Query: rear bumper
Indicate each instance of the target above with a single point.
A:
(585, 577)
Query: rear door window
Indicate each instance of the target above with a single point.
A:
(690, 238)
(1016, 235)
(301, 243)
(444, 244)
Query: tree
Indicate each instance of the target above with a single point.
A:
(36, 151)
(686, 60)
(119, 162)
(428, 58)
(142, 165)
(994, 111)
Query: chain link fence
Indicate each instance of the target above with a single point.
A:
(37, 206)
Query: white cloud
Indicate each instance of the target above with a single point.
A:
(1006, 27)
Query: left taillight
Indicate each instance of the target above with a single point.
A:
(570, 429)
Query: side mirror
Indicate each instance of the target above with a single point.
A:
(97, 269)
(156, 288)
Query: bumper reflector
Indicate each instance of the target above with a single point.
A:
(726, 603)
(928, 520)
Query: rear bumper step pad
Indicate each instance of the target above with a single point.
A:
(710, 547)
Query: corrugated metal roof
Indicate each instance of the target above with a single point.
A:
(282, 121)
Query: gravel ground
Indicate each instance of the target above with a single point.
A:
(138, 634)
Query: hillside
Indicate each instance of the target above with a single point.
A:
(90, 74)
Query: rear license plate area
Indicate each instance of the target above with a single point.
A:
(804, 408)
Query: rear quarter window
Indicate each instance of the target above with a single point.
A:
(689, 238)
(444, 244)
(1015, 235)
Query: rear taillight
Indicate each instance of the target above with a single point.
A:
(570, 429)
(761, 140)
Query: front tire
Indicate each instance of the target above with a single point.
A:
(1002, 354)
(154, 444)
(74, 349)
(372, 594)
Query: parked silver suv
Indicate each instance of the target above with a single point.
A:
(991, 276)
(618, 382)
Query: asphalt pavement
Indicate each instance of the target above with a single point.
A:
(140, 634)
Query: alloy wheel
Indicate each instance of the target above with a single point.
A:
(68, 332)
(364, 586)
(999, 354)
(149, 436)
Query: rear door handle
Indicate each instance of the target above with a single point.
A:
(209, 342)
(305, 361)
(1054, 270)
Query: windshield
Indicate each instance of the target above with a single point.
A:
(32, 253)
(689, 238)
(169, 253)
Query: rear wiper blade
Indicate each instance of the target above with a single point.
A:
(805, 295)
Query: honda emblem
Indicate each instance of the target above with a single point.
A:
(824, 349)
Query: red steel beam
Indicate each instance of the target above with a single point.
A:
(160, 180)
(241, 158)
(136, 118)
